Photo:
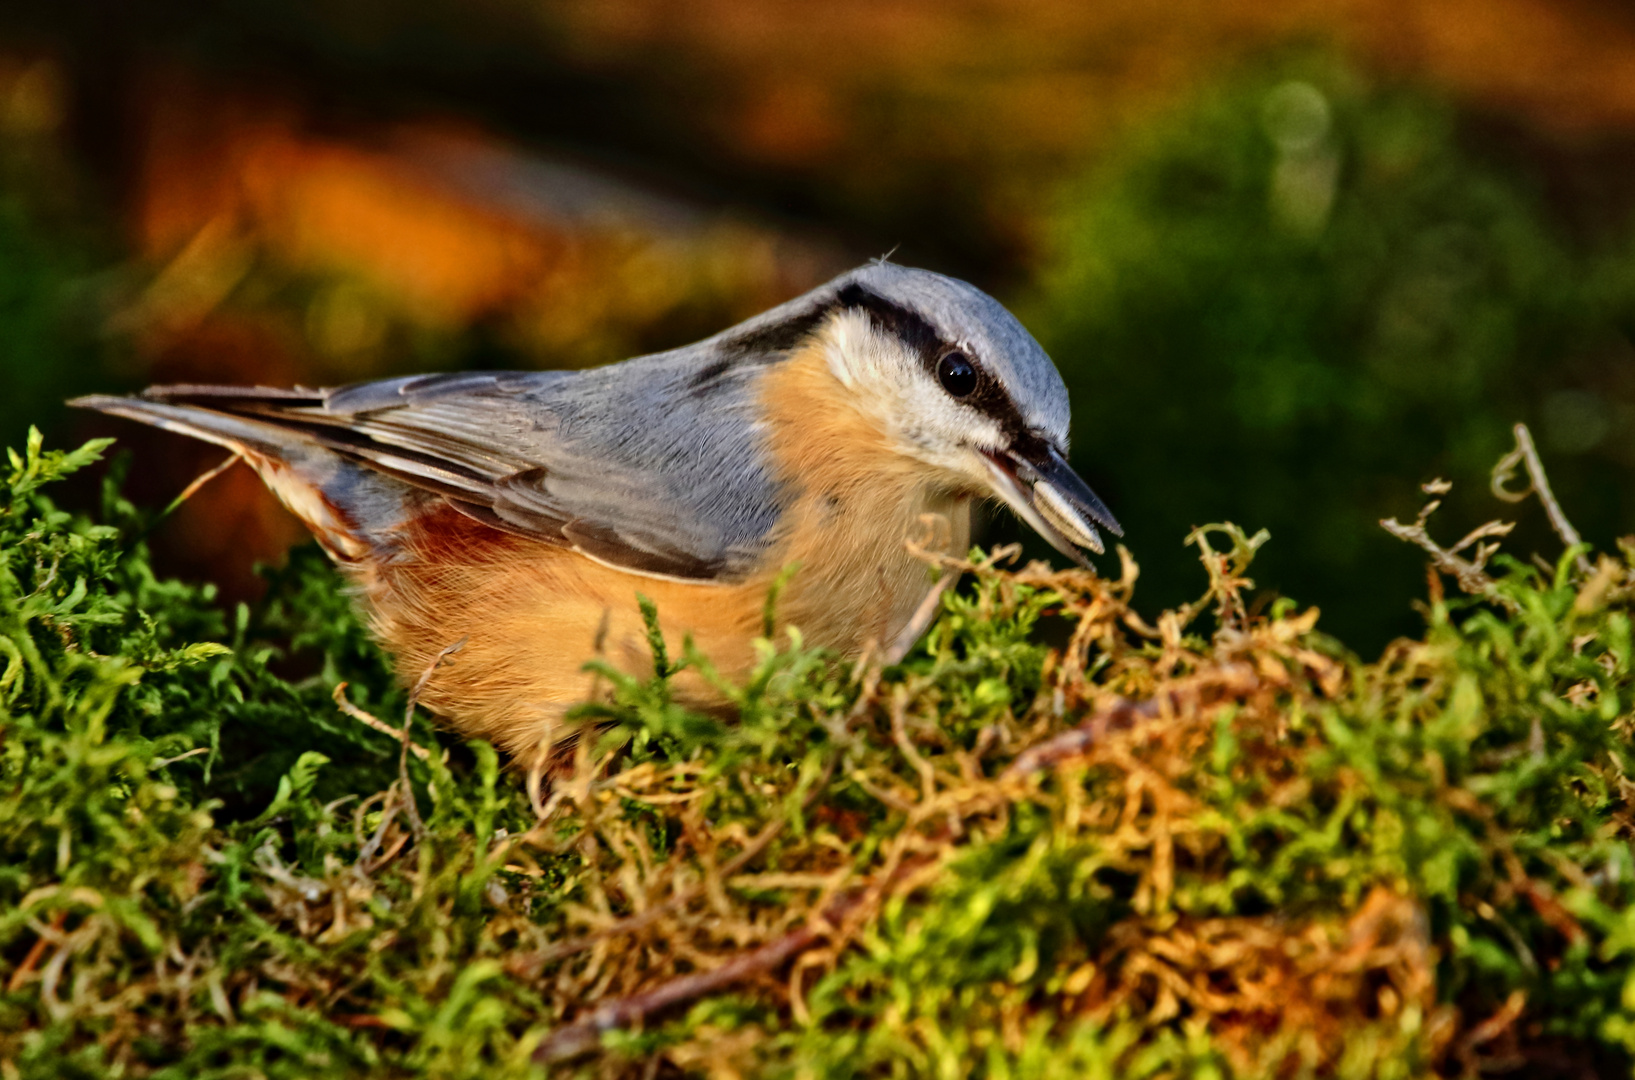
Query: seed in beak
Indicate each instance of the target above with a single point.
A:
(1062, 514)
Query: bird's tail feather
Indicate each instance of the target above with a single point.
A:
(352, 511)
(244, 434)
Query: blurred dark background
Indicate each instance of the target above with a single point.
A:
(1293, 258)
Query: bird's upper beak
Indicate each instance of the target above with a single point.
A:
(1037, 482)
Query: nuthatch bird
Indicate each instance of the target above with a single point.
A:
(525, 511)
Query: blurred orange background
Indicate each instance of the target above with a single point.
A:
(324, 192)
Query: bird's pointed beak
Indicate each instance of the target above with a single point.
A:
(1037, 482)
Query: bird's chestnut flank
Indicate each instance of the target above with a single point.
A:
(525, 511)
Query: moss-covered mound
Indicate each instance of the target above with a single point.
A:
(1208, 843)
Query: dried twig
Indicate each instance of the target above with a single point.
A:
(1122, 715)
(366, 863)
(1471, 577)
(189, 491)
(563, 949)
(166, 762)
(905, 745)
(1538, 484)
(408, 720)
(199, 481)
(583, 1036)
(36, 951)
(921, 620)
(1494, 1026)
(932, 550)
(375, 722)
(1471, 573)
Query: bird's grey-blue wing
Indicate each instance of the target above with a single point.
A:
(643, 465)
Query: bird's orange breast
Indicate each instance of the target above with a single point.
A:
(531, 614)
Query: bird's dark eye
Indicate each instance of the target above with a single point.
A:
(957, 374)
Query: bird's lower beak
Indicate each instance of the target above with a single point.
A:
(1045, 491)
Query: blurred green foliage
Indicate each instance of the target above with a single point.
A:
(1291, 297)
(50, 345)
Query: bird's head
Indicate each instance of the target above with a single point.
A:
(957, 384)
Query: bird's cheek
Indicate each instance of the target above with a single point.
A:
(981, 477)
(920, 444)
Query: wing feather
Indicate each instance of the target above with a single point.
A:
(617, 462)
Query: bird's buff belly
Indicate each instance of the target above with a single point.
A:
(528, 618)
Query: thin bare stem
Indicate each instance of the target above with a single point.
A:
(199, 481)
(160, 763)
(899, 734)
(1471, 573)
(1120, 716)
(374, 722)
(563, 949)
(190, 490)
(1123, 715)
(409, 803)
(918, 622)
(1471, 577)
(584, 1036)
(1526, 453)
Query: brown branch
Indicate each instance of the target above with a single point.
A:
(1471, 574)
(583, 1036)
(1492, 1028)
(366, 864)
(35, 952)
(166, 762)
(757, 844)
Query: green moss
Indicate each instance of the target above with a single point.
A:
(1292, 862)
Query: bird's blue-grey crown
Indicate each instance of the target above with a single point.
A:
(935, 313)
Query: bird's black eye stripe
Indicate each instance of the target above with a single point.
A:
(986, 395)
(957, 374)
(920, 337)
(905, 325)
